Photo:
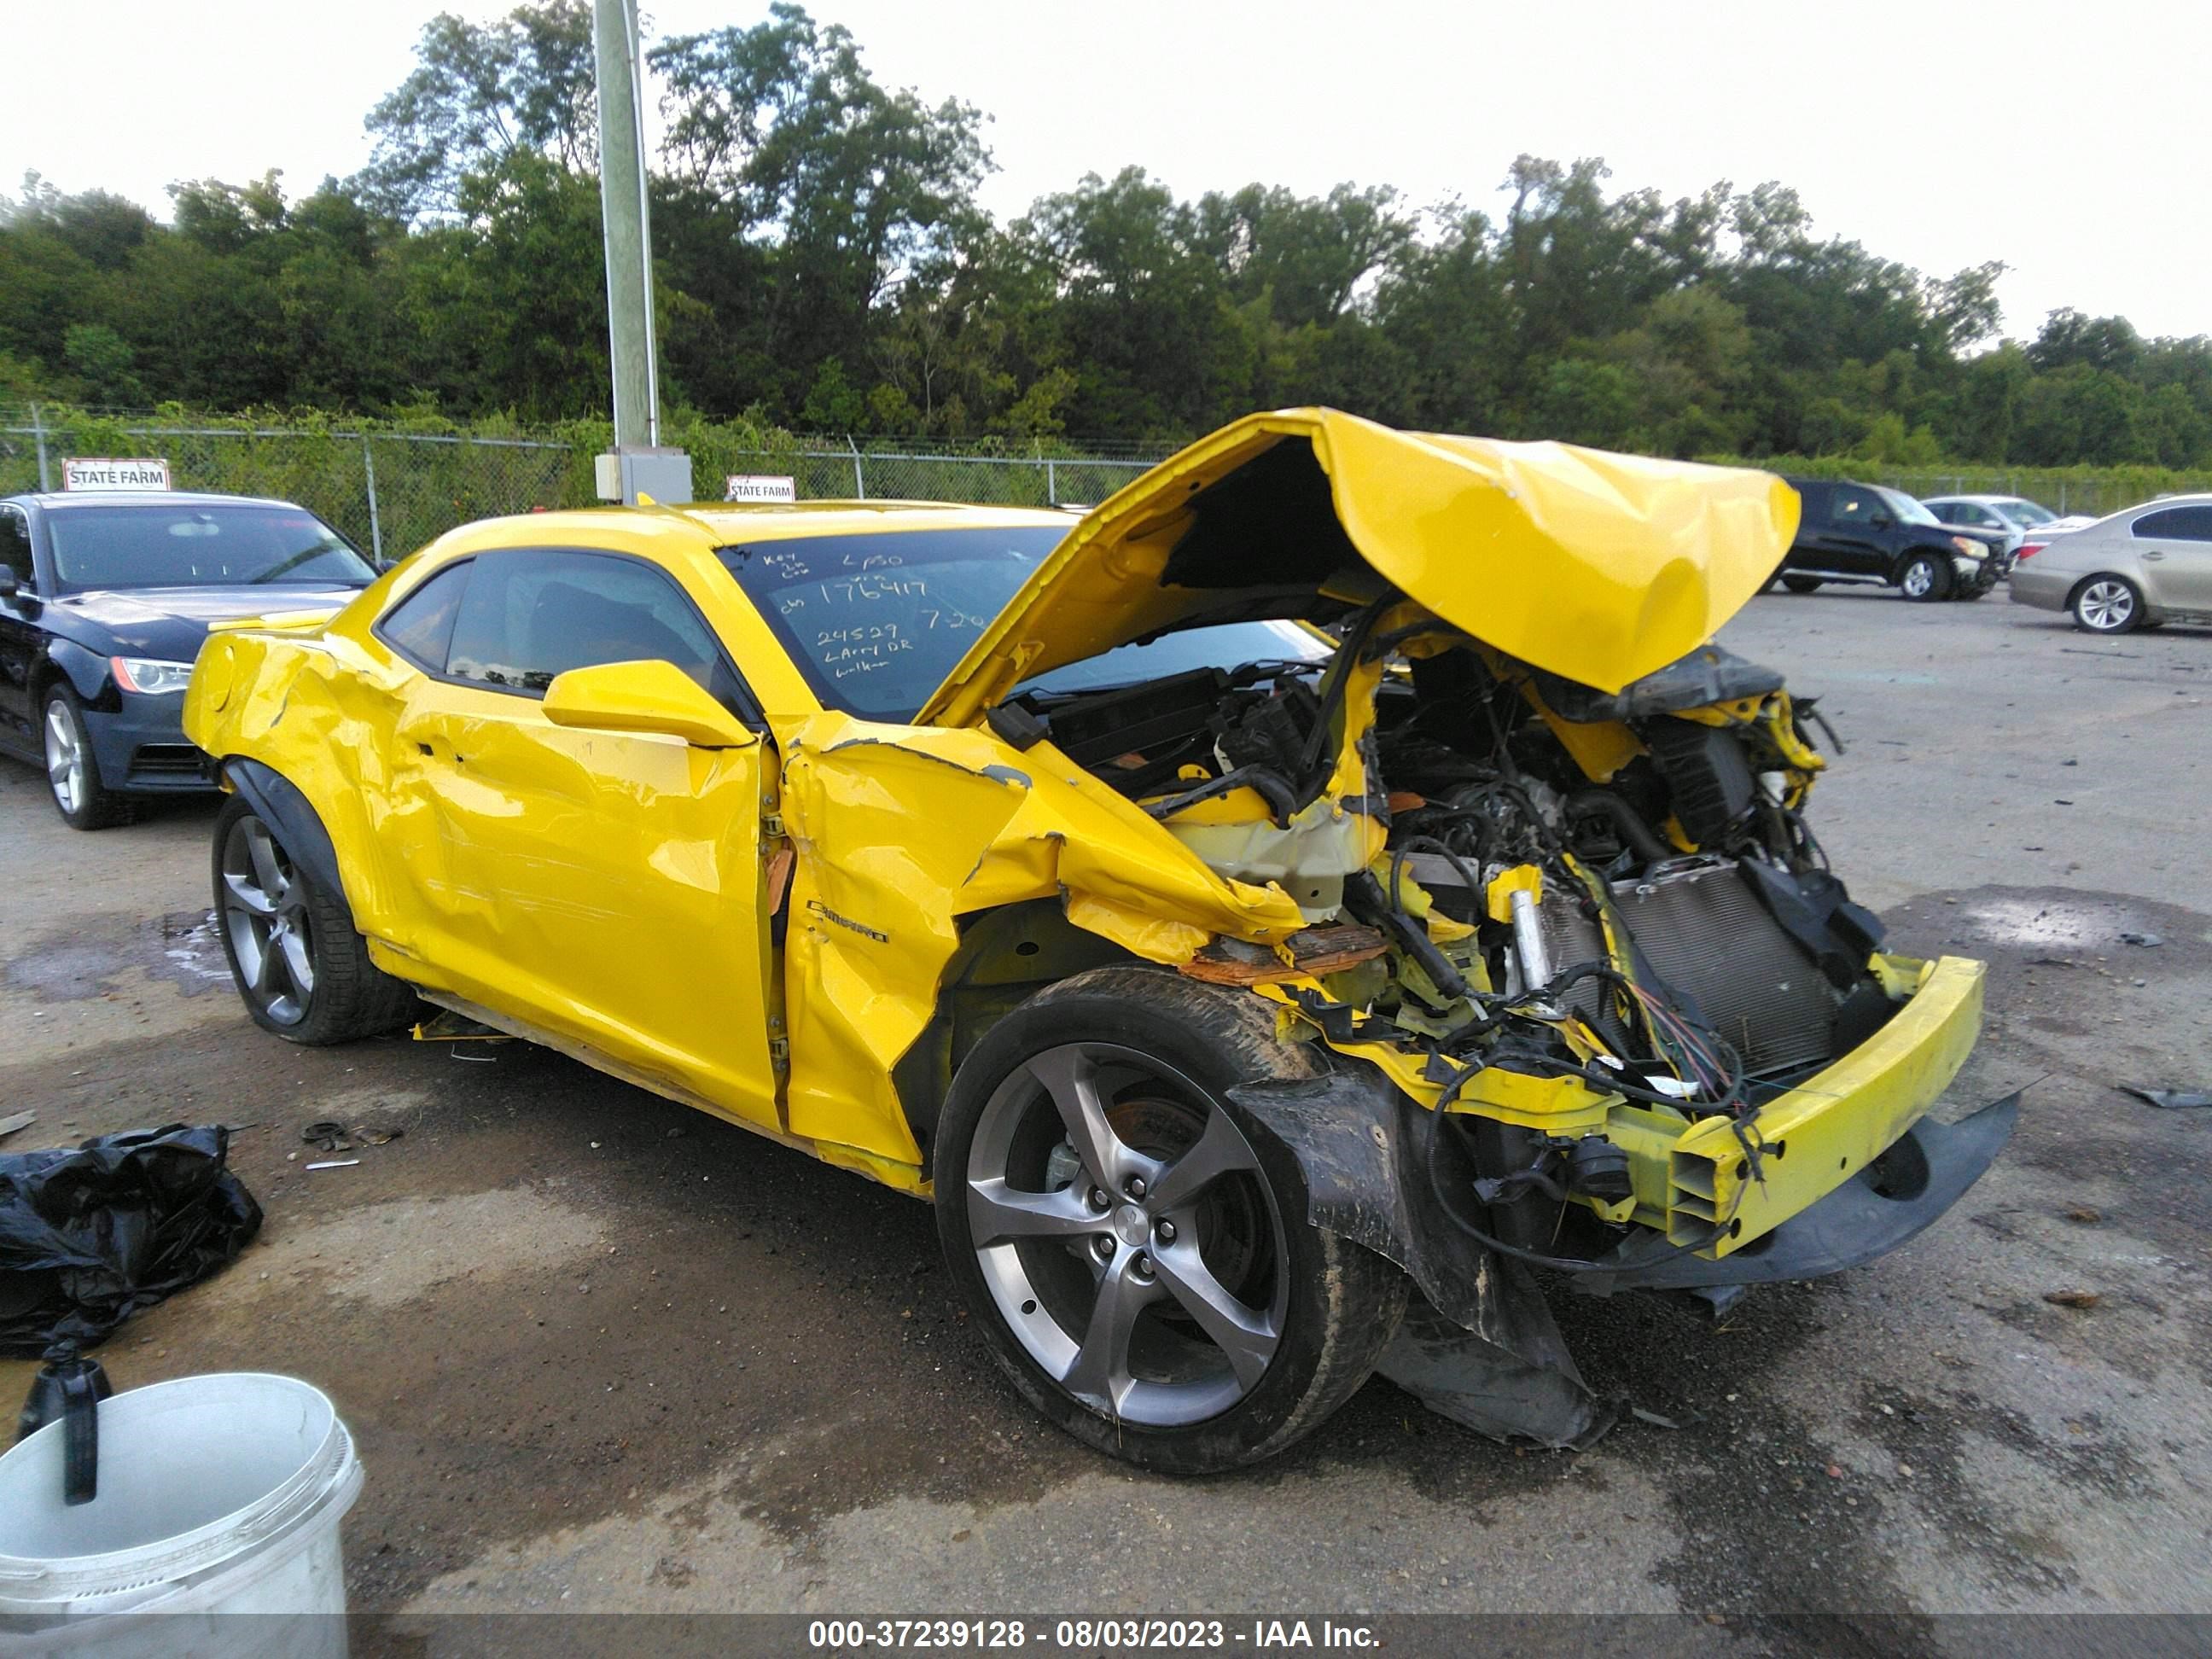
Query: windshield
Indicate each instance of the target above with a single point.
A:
(2026, 513)
(1908, 510)
(198, 545)
(877, 622)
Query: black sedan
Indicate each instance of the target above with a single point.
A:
(105, 602)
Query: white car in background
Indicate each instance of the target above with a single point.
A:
(2014, 517)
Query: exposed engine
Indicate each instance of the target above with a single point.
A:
(1507, 869)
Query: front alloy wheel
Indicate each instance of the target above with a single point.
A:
(1131, 1243)
(1925, 578)
(1127, 1238)
(72, 770)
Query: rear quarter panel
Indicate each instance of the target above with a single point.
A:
(2092, 552)
(319, 708)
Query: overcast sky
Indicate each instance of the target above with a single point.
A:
(2070, 142)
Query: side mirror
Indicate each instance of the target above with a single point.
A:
(1879, 521)
(644, 697)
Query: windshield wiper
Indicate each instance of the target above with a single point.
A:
(292, 563)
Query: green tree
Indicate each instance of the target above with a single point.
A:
(480, 95)
(102, 360)
(778, 138)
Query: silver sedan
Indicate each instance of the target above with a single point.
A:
(2148, 565)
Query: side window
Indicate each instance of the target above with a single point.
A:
(16, 543)
(2175, 524)
(1852, 508)
(1963, 513)
(421, 626)
(529, 616)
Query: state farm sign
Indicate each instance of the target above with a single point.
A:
(96, 472)
(759, 487)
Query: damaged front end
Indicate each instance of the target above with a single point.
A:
(1595, 1005)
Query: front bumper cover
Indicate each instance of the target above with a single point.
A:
(1485, 1351)
(1924, 1172)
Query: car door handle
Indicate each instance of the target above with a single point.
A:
(2153, 553)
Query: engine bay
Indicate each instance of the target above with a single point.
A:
(1503, 869)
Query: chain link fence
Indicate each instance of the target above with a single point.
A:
(391, 492)
(2063, 492)
(2092, 491)
(826, 474)
(388, 492)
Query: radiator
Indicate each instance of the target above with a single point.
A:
(1707, 936)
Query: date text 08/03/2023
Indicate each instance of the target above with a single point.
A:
(1087, 1635)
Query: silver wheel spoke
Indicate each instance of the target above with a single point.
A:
(1222, 1150)
(265, 966)
(262, 852)
(299, 965)
(64, 758)
(1100, 1373)
(1071, 1078)
(1248, 1335)
(249, 948)
(996, 1211)
(242, 888)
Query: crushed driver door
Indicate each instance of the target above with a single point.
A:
(605, 888)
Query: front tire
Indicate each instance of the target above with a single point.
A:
(2108, 605)
(301, 966)
(1802, 583)
(73, 771)
(1133, 1244)
(1926, 578)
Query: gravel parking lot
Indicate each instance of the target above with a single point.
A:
(603, 1353)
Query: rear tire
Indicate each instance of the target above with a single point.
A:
(1925, 579)
(1802, 583)
(300, 966)
(1190, 1326)
(2108, 605)
(72, 769)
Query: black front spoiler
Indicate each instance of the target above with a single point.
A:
(1924, 1173)
(1494, 1360)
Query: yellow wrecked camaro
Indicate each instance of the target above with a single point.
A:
(1271, 916)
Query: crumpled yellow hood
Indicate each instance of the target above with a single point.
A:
(1598, 567)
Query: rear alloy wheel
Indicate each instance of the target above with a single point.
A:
(72, 770)
(1134, 1247)
(2108, 605)
(1925, 577)
(301, 968)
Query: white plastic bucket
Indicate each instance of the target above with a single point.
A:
(219, 1496)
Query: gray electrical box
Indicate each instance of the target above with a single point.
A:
(623, 475)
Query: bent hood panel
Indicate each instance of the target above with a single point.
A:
(1598, 567)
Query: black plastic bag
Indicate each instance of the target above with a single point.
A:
(90, 1236)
